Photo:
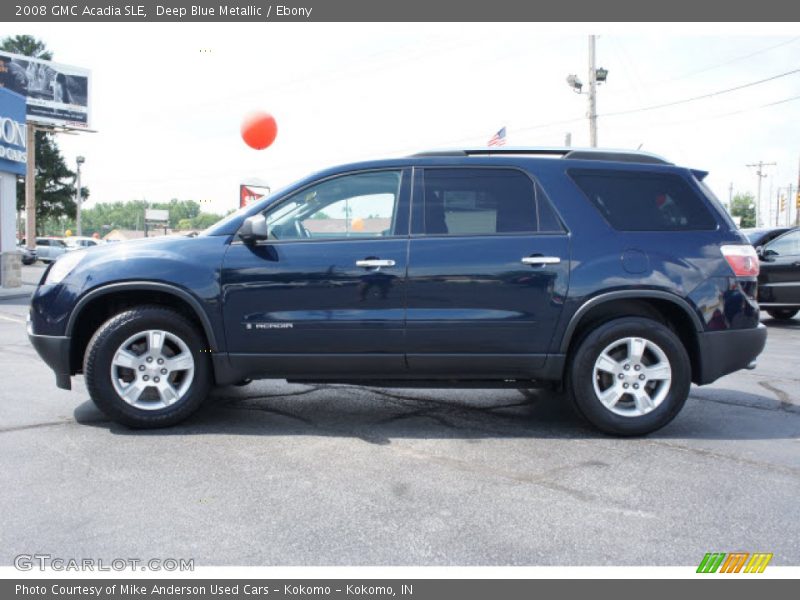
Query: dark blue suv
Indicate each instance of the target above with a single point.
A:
(616, 275)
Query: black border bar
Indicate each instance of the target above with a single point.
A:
(725, 11)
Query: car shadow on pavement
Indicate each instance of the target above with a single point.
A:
(377, 415)
(789, 324)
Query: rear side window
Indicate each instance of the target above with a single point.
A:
(632, 201)
(482, 201)
(787, 245)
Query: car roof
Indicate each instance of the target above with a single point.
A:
(759, 236)
(567, 153)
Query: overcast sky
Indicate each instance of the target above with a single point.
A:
(167, 99)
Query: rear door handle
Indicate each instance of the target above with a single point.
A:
(372, 263)
(541, 260)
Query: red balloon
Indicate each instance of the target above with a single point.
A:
(259, 129)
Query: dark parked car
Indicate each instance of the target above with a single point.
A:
(779, 280)
(616, 275)
(28, 256)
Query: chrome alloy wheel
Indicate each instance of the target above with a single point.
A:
(632, 376)
(152, 369)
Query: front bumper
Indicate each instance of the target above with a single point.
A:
(723, 352)
(54, 350)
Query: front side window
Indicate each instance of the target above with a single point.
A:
(787, 245)
(635, 201)
(361, 205)
(483, 201)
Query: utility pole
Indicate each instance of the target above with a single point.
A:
(797, 200)
(596, 77)
(760, 174)
(30, 189)
(592, 95)
(789, 198)
(79, 195)
(568, 140)
(730, 197)
(769, 203)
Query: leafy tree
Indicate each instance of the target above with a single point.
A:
(743, 206)
(55, 182)
(178, 210)
(184, 214)
(26, 45)
(205, 220)
(104, 217)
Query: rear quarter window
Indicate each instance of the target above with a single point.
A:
(634, 201)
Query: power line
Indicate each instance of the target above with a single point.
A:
(701, 97)
(730, 61)
(704, 69)
(729, 114)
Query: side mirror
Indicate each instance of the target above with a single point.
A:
(253, 229)
(760, 251)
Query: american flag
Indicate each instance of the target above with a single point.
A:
(498, 139)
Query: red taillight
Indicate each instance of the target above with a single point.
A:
(742, 259)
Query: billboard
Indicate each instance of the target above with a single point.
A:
(156, 214)
(55, 94)
(13, 140)
(251, 193)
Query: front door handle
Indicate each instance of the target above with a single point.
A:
(541, 260)
(372, 263)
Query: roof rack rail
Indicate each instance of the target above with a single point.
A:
(630, 156)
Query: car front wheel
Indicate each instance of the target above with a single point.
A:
(629, 376)
(147, 367)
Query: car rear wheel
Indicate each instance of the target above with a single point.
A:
(629, 376)
(782, 314)
(147, 367)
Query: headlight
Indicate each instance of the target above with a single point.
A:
(64, 265)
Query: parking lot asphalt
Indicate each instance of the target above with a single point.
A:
(280, 474)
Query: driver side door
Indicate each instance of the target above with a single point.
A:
(324, 295)
(779, 282)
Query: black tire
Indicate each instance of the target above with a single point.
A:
(104, 345)
(581, 377)
(782, 314)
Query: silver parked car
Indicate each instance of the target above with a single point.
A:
(49, 248)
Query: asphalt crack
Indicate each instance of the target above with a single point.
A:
(784, 399)
(36, 426)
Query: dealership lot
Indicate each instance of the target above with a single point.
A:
(273, 473)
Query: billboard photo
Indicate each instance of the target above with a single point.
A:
(56, 94)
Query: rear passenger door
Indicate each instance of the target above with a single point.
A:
(487, 275)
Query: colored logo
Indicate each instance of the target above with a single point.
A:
(734, 562)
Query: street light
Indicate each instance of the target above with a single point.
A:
(574, 82)
(79, 194)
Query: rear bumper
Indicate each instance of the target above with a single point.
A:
(54, 351)
(723, 352)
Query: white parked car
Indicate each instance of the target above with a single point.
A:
(76, 242)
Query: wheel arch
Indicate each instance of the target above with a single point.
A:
(95, 307)
(665, 307)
